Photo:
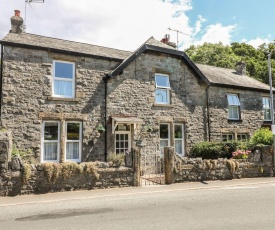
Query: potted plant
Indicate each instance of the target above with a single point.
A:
(100, 128)
(148, 128)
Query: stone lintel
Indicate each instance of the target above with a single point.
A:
(62, 116)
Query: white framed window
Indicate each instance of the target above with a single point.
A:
(63, 79)
(266, 108)
(164, 136)
(73, 141)
(162, 91)
(233, 106)
(179, 138)
(50, 141)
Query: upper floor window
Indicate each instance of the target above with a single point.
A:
(162, 92)
(233, 106)
(266, 108)
(63, 79)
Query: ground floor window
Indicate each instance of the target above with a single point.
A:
(52, 141)
(73, 141)
(164, 134)
(179, 138)
(234, 136)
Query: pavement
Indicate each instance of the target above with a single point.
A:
(112, 192)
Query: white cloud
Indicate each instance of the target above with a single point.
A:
(258, 41)
(217, 33)
(123, 24)
(199, 24)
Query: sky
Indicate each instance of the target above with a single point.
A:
(127, 24)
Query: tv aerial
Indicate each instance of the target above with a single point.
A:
(28, 2)
(177, 35)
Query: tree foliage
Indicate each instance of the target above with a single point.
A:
(228, 55)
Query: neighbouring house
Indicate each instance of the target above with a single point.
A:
(58, 96)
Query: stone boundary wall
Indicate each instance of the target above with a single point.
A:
(13, 182)
(183, 169)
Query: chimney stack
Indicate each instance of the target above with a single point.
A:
(166, 40)
(240, 68)
(16, 23)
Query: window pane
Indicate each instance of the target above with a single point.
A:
(162, 81)
(161, 95)
(266, 103)
(50, 151)
(163, 143)
(51, 131)
(233, 112)
(163, 131)
(73, 131)
(178, 131)
(178, 146)
(72, 150)
(233, 99)
(267, 114)
(63, 88)
(63, 70)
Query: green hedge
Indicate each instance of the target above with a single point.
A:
(215, 150)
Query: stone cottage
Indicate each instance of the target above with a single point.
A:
(58, 96)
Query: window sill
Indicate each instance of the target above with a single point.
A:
(163, 105)
(63, 99)
(233, 120)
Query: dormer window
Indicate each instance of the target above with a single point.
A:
(233, 107)
(162, 92)
(63, 79)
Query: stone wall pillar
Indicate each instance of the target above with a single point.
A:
(169, 156)
(5, 150)
(136, 154)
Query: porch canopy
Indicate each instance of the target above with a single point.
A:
(116, 120)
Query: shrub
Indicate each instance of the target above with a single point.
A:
(117, 159)
(215, 150)
(262, 136)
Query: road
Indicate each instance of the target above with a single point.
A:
(237, 204)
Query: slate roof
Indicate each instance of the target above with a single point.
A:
(152, 41)
(32, 40)
(229, 77)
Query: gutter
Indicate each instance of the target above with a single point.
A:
(1, 82)
(105, 79)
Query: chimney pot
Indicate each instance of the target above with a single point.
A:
(241, 67)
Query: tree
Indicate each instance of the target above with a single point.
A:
(227, 56)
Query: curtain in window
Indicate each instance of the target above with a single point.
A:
(50, 151)
(178, 146)
(233, 112)
(72, 150)
(63, 88)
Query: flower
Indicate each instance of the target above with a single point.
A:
(241, 154)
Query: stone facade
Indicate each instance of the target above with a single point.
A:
(201, 108)
(250, 112)
(133, 93)
(28, 101)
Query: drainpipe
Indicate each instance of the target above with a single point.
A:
(105, 79)
(208, 114)
(1, 82)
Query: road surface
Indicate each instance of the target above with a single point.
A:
(237, 204)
